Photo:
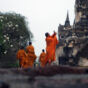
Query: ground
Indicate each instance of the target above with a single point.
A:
(49, 77)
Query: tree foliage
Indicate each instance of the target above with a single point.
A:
(14, 32)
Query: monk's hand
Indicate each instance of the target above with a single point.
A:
(54, 32)
(49, 61)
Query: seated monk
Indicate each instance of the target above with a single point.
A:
(31, 54)
(42, 58)
(22, 57)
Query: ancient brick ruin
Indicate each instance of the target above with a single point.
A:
(75, 36)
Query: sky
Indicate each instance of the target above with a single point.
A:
(42, 16)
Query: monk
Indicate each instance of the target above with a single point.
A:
(51, 42)
(22, 57)
(31, 54)
(42, 58)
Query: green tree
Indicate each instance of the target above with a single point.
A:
(14, 32)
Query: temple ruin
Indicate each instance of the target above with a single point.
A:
(74, 37)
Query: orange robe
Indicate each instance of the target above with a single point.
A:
(55, 42)
(31, 55)
(42, 59)
(51, 42)
(23, 59)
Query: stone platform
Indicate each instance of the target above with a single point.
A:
(48, 77)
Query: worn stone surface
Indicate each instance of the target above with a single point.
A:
(18, 78)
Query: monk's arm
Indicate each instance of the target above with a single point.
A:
(53, 35)
(39, 58)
